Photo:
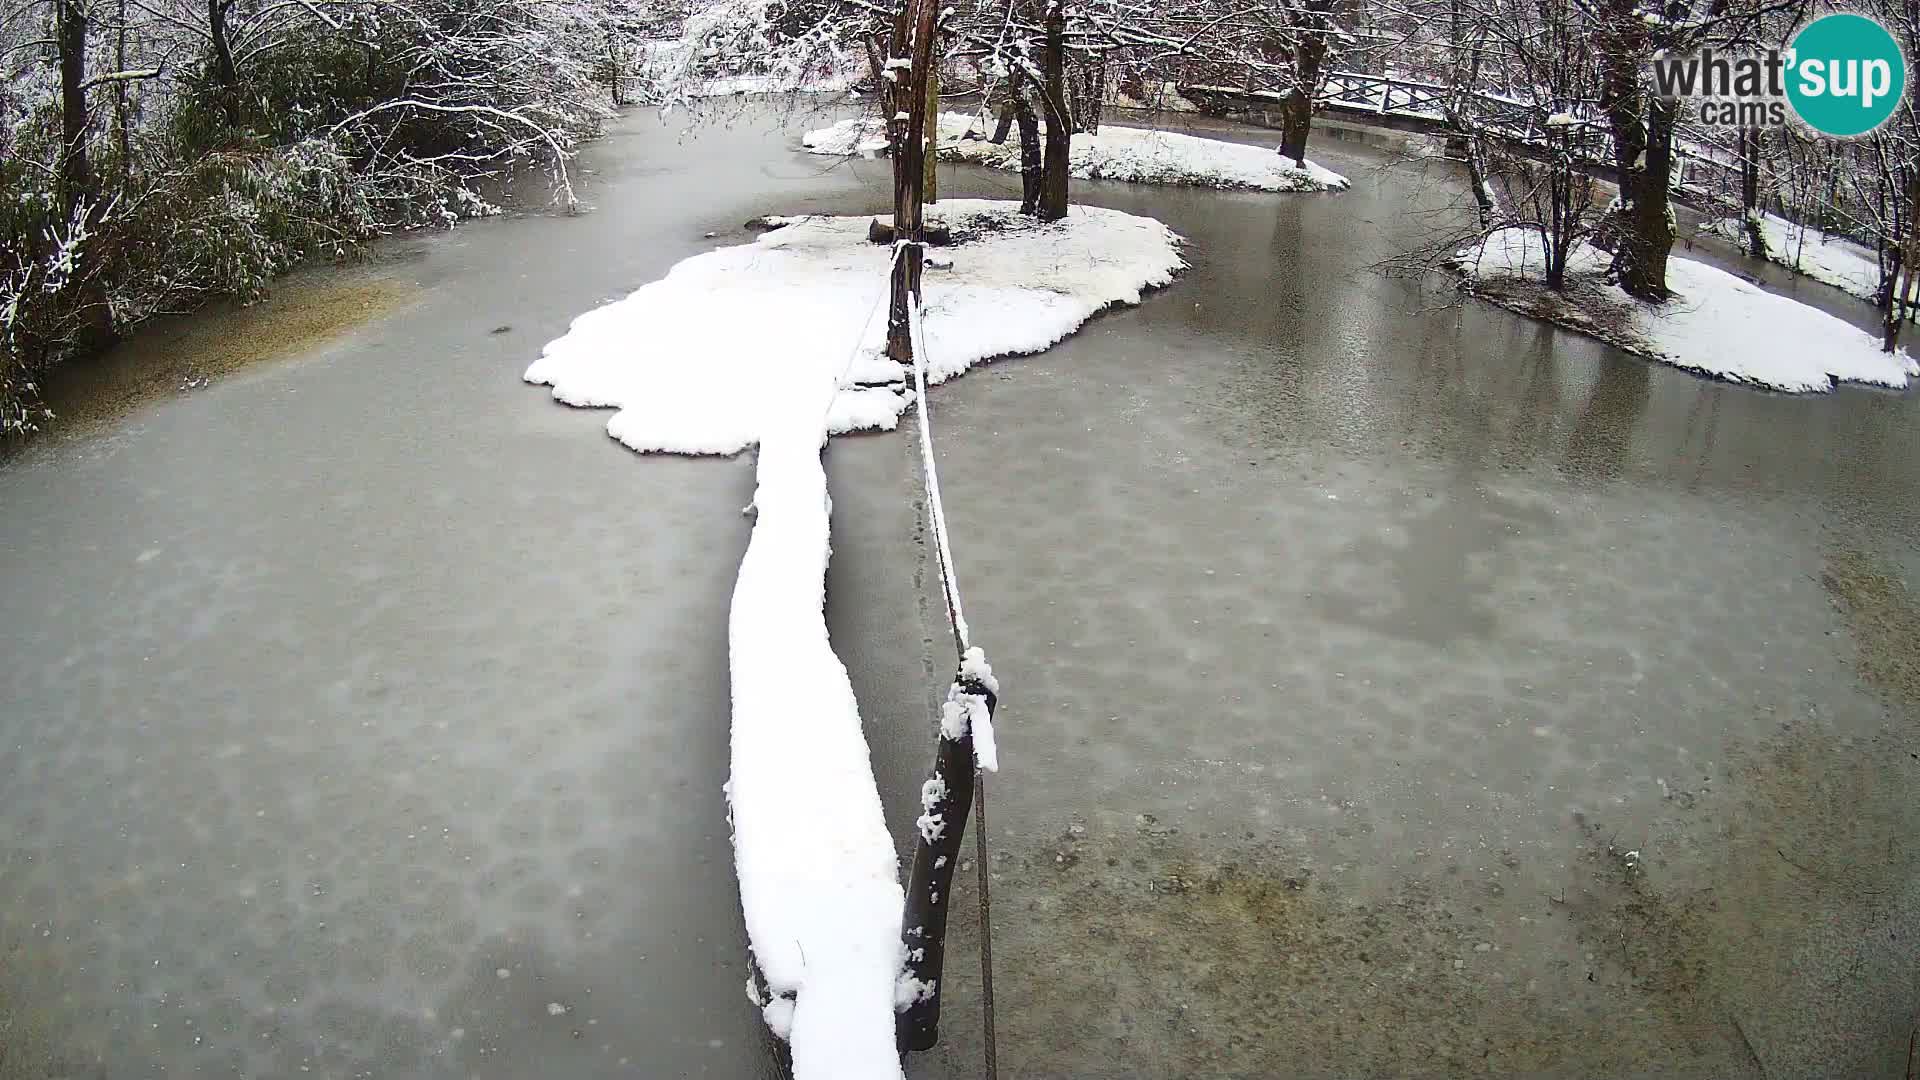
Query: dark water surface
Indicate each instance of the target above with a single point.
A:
(366, 713)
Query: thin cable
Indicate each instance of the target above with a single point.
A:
(986, 921)
(859, 337)
(950, 586)
(936, 511)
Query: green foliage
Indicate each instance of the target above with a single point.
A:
(336, 131)
(314, 82)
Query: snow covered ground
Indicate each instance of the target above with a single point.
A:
(775, 343)
(1831, 260)
(670, 69)
(1136, 155)
(735, 85)
(1716, 324)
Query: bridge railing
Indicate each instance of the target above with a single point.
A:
(1433, 107)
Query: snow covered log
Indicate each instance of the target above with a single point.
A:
(819, 886)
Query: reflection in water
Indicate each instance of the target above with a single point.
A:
(1606, 428)
(1703, 427)
(1327, 353)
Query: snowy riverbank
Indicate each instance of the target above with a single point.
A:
(778, 343)
(1135, 155)
(1715, 324)
(1830, 260)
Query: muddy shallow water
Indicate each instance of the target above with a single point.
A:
(1392, 687)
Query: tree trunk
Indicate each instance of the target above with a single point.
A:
(1890, 315)
(1310, 54)
(93, 312)
(1030, 164)
(616, 70)
(1643, 156)
(1901, 295)
(931, 181)
(1647, 239)
(1477, 176)
(1296, 123)
(1088, 82)
(226, 79)
(877, 65)
(122, 133)
(76, 171)
(913, 42)
(1053, 97)
(1750, 192)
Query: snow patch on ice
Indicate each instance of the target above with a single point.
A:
(1716, 324)
(1136, 155)
(705, 359)
(819, 885)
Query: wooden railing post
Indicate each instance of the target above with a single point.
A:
(945, 801)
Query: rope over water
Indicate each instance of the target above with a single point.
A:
(962, 642)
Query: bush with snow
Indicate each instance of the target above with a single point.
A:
(342, 122)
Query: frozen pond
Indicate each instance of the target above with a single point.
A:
(366, 713)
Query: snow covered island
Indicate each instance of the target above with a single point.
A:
(778, 343)
(709, 357)
(1716, 324)
(1135, 155)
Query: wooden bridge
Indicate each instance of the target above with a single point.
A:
(1701, 178)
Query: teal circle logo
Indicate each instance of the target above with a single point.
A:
(1846, 75)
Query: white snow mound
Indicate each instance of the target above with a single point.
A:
(1136, 155)
(703, 360)
(1717, 324)
(819, 886)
